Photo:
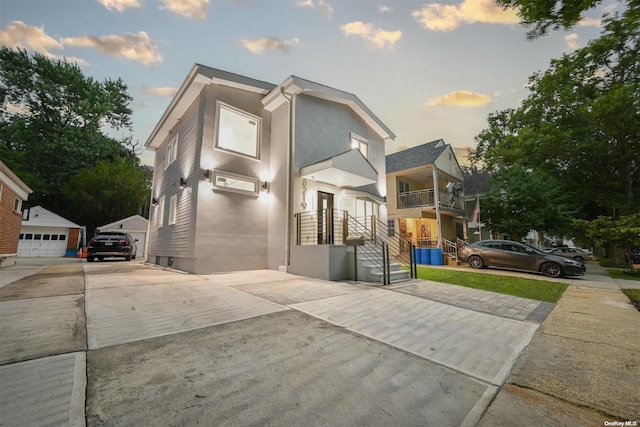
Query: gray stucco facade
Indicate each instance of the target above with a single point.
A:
(207, 228)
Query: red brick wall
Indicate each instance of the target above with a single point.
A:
(10, 222)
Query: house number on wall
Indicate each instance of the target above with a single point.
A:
(304, 193)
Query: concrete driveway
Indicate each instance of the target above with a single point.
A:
(158, 347)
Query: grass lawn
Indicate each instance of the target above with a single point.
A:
(621, 274)
(541, 290)
(634, 296)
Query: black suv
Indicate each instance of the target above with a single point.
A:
(111, 244)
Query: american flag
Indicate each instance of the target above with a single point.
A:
(476, 211)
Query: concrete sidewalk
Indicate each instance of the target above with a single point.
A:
(161, 347)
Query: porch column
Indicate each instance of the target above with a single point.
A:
(436, 196)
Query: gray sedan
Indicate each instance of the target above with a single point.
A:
(516, 256)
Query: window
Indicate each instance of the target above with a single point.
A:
(21, 236)
(238, 131)
(37, 236)
(173, 209)
(237, 183)
(161, 211)
(28, 236)
(54, 237)
(391, 227)
(403, 187)
(62, 237)
(172, 151)
(17, 204)
(361, 144)
(46, 236)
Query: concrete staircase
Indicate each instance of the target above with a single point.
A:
(369, 264)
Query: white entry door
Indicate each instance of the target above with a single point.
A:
(43, 241)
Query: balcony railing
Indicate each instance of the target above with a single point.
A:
(426, 198)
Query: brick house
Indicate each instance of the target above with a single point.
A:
(13, 191)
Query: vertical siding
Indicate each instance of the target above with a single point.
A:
(176, 240)
(10, 221)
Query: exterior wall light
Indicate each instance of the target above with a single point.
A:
(207, 175)
(154, 201)
(183, 183)
(265, 186)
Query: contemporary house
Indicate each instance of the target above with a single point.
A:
(135, 225)
(13, 191)
(425, 196)
(253, 175)
(47, 234)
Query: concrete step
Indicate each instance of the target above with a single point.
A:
(394, 276)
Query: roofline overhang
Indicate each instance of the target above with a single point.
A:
(198, 78)
(295, 85)
(12, 181)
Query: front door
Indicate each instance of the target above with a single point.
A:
(325, 218)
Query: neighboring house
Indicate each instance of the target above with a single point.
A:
(46, 234)
(425, 196)
(135, 225)
(252, 175)
(13, 191)
(476, 185)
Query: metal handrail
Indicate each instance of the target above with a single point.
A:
(402, 247)
(426, 197)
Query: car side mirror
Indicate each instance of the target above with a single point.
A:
(530, 251)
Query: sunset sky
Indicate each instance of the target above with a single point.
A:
(428, 70)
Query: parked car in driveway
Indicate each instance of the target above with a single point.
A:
(573, 253)
(111, 244)
(516, 256)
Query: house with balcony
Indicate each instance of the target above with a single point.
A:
(425, 196)
(253, 175)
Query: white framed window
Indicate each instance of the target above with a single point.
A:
(161, 203)
(17, 205)
(361, 144)
(237, 131)
(172, 151)
(173, 209)
(227, 181)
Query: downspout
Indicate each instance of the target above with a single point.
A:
(289, 198)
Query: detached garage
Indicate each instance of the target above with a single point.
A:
(46, 234)
(135, 225)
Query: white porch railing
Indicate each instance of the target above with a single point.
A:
(426, 198)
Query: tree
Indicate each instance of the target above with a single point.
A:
(53, 122)
(609, 232)
(580, 124)
(519, 201)
(541, 16)
(106, 193)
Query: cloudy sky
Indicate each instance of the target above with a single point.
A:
(428, 70)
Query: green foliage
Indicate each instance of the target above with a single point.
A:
(107, 192)
(541, 290)
(580, 125)
(541, 16)
(623, 232)
(519, 200)
(54, 120)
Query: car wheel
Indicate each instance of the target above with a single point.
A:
(90, 259)
(127, 258)
(100, 258)
(475, 261)
(133, 257)
(578, 258)
(551, 269)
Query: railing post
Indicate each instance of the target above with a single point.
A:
(298, 228)
(328, 232)
(374, 229)
(345, 225)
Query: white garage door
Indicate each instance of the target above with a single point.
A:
(43, 241)
(142, 237)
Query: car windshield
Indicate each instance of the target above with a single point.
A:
(536, 250)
